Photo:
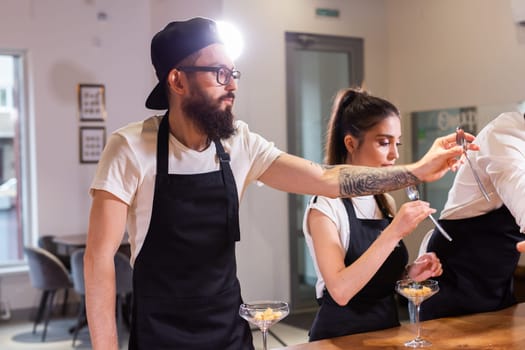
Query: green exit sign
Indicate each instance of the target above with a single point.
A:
(327, 12)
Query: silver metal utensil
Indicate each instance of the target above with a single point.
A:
(460, 140)
(413, 195)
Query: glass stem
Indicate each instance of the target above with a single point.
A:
(264, 336)
(418, 325)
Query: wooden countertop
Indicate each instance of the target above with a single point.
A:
(497, 330)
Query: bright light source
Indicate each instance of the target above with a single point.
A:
(231, 37)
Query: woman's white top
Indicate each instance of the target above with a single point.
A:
(365, 208)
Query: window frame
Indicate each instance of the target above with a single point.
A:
(24, 149)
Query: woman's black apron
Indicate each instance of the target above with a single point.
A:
(186, 293)
(478, 265)
(375, 306)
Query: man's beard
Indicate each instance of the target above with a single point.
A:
(207, 115)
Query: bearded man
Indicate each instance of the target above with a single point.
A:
(174, 182)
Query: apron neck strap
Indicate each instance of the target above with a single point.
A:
(231, 187)
(163, 145)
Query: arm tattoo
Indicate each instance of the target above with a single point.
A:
(359, 182)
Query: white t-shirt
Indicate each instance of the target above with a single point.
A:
(365, 208)
(500, 164)
(127, 167)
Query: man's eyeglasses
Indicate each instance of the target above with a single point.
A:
(223, 74)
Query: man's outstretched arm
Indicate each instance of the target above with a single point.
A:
(297, 175)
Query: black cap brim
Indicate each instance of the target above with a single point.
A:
(158, 99)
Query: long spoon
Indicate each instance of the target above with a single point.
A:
(413, 195)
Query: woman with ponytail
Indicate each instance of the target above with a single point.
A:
(356, 244)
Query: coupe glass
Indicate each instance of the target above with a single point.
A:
(264, 314)
(416, 293)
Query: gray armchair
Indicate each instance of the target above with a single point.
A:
(47, 242)
(77, 273)
(47, 273)
(124, 286)
(124, 277)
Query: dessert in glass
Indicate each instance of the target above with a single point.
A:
(264, 314)
(416, 293)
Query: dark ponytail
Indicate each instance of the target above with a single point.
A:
(335, 152)
(354, 112)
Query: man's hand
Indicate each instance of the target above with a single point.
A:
(444, 155)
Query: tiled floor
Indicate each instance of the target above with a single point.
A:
(18, 335)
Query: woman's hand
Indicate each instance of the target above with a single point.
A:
(408, 217)
(424, 267)
(521, 247)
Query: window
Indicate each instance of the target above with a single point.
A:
(12, 152)
(3, 97)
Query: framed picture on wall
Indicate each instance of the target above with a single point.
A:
(91, 102)
(92, 142)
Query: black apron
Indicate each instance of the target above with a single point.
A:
(478, 265)
(374, 307)
(185, 289)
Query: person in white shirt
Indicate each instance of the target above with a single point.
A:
(479, 263)
(356, 243)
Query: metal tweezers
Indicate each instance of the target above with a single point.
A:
(460, 140)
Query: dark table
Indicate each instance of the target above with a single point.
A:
(67, 244)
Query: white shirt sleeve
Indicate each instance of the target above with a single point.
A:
(262, 153)
(502, 155)
(117, 171)
(335, 210)
(500, 163)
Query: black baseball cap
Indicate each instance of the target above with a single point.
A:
(171, 45)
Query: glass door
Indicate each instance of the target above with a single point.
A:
(317, 66)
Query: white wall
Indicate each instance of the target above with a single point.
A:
(449, 53)
(66, 45)
(420, 54)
